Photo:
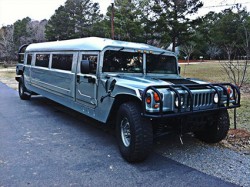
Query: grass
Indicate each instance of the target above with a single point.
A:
(213, 72)
(7, 76)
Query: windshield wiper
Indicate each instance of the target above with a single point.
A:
(121, 49)
(161, 53)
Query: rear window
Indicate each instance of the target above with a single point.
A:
(62, 61)
(42, 60)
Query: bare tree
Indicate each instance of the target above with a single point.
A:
(213, 51)
(236, 71)
(230, 49)
(7, 44)
(36, 31)
(188, 49)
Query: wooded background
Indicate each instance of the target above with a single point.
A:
(162, 23)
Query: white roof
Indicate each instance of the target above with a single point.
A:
(89, 44)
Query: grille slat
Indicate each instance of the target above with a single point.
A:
(202, 99)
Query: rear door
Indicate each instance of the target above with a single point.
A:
(86, 84)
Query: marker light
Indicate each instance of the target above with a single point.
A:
(148, 99)
(156, 106)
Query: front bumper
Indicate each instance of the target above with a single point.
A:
(225, 101)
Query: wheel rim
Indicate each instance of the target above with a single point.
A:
(125, 132)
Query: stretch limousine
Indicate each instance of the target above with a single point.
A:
(135, 86)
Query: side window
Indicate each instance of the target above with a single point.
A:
(93, 62)
(29, 59)
(62, 61)
(42, 60)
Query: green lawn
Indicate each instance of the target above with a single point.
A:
(206, 71)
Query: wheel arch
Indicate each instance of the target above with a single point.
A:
(119, 100)
(19, 72)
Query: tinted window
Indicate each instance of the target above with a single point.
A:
(161, 64)
(92, 62)
(120, 61)
(62, 61)
(29, 59)
(42, 60)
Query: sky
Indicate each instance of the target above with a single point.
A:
(13, 10)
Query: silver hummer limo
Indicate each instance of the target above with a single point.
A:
(135, 86)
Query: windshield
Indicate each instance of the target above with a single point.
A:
(161, 64)
(121, 61)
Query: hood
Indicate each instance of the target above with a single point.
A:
(139, 82)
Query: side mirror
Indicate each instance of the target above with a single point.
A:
(109, 88)
(179, 69)
(112, 85)
(85, 67)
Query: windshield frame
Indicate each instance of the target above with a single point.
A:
(144, 54)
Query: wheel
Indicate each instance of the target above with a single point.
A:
(134, 133)
(217, 130)
(22, 90)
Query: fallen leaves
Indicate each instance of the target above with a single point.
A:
(238, 139)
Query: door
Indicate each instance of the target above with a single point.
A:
(27, 69)
(86, 84)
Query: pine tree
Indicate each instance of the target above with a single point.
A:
(127, 21)
(73, 20)
(173, 21)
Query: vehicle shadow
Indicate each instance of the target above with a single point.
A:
(166, 146)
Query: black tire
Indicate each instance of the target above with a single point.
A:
(23, 93)
(136, 130)
(216, 130)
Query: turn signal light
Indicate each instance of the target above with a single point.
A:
(230, 91)
(156, 97)
(148, 99)
(156, 106)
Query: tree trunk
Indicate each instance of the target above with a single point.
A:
(174, 44)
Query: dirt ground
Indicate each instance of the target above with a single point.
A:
(238, 139)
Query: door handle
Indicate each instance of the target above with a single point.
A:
(78, 78)
(90, 79)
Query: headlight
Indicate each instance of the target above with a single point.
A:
(177, 102)
(216, 98)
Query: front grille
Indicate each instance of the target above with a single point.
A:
(202, 99)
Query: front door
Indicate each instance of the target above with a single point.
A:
(86, 84)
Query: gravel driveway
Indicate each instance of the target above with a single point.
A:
(213, 160)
